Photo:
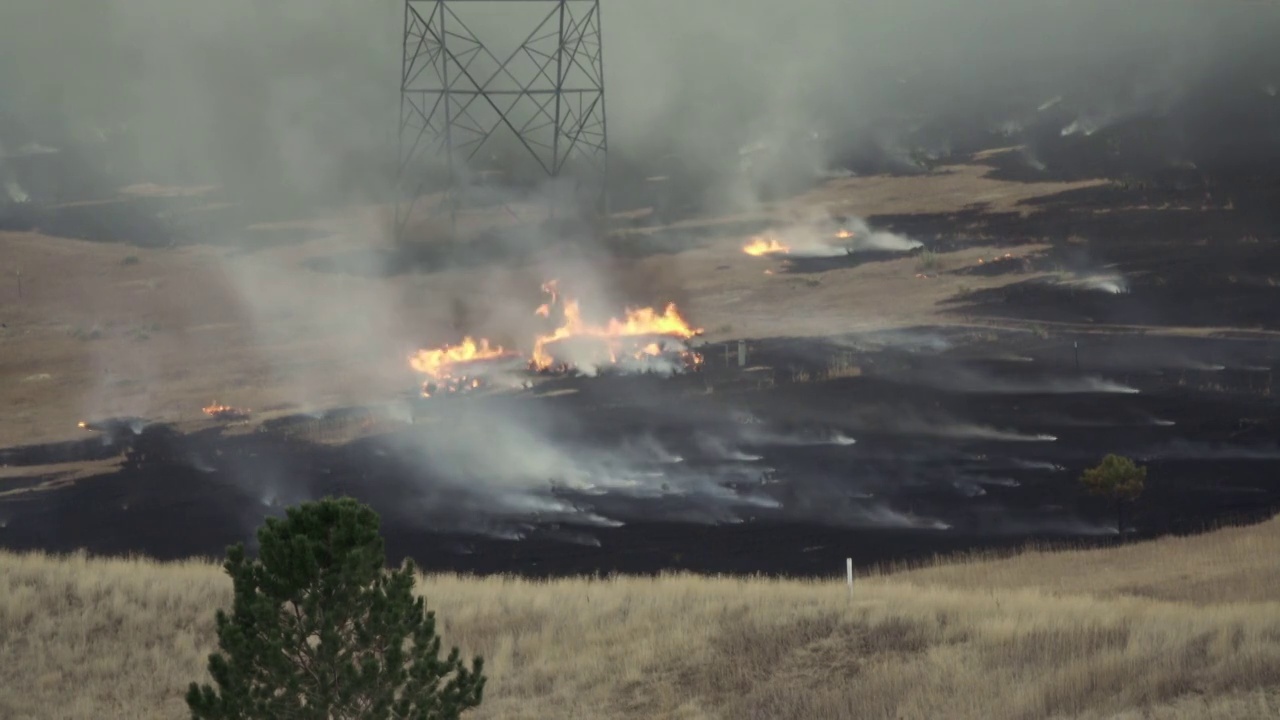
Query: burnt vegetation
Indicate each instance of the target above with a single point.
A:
(963, 441)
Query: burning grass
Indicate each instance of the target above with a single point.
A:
(642, 340)
(1175, 628)
(765, 246)
(218, 411)
(819, 238)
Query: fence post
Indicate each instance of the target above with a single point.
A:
(848, 569)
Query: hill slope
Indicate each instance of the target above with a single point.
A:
(1176, 628)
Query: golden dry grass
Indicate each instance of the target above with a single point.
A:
(1179, 628)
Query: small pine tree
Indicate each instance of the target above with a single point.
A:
(1119, 479)
(320, 630)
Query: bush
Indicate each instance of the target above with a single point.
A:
(928, 261)
(1119, 479)
(319, 629)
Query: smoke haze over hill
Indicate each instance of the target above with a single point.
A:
(295, 97)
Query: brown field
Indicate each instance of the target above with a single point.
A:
(104, 329)
(1174, 628)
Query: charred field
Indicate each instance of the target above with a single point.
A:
(882, 447)
(1122, 316)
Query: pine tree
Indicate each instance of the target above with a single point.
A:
(320, 630)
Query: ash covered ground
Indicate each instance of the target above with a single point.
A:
(916, 442)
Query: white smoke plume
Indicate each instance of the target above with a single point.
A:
(964, 379)
(814, 233)
(1113, 283)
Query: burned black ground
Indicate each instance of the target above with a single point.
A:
(963, 440)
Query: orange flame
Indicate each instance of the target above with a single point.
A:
(637, 335)
(214, 410)
(844, 235)
(441, 365)
(438, 363)
(765, 246)
(620, 337)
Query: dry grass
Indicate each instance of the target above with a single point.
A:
(1178, 628)
(85, 317)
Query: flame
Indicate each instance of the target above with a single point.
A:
(620, 337)
(439, 362)
(215, 410)
(844, 235)
(441, 365)
(765, 246)
(642, 333)
(82, 425)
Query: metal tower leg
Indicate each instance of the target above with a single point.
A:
(456, 94)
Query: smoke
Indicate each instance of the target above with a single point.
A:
(979, 432)
(815, 233)
(865, 239)
(492, 463)
(1113, 283)
(292, 105)
(964, 379)
(1038, 465)
(300, 98)
(720, 449)
(937, 425)
(760, 437)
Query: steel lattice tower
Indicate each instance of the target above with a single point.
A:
(456, 94)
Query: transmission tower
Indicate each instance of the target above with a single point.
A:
(456, 94)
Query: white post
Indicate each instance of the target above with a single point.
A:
(848, 568)
(742, 353)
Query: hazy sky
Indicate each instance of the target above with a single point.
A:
(304, 92)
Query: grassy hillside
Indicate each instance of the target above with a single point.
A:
(1177, 628)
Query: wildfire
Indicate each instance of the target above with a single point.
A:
(445, 367)
(844, 235)
(641, 335)
(439, 362)
(225, 412)
(638, 335)
(765, 246)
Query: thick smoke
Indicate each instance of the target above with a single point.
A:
(295, 98)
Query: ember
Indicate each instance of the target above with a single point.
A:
(998, 258)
